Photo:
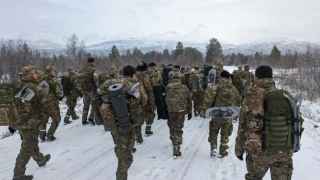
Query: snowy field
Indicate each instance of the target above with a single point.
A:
(86, 153)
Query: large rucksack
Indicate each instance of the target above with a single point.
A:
(279, 112)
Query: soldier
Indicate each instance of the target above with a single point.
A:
(179, 104)
(123, 105)
(158, 91)
(197, 92)
(30, 107)
(266, 131)
(247, 78)
(88, 90)
(236, 79)
(71, 91)
(51, 105)
(148, 107)
(8, 112)
(224, 95)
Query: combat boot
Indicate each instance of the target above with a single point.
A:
(66, 120)
(176, 151)
(51, 138)
(25, 177)
(223, 151)
(213, 150)
(44, 161)
(139, 139)
(91, 121)
(42, 136)
(148, 130)
(74, 116)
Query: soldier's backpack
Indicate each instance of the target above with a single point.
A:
(279, 119)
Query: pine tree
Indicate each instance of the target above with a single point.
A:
(214, 51)
(275, 53)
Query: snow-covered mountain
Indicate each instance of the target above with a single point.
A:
(286, 46)
(248, 48)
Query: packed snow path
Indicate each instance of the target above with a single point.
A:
(86, 153)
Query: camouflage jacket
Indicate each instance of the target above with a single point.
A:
(31, 111)
(155, 77)
(146, 86)
(87, 79)
(209, 96)
(178, 97)
(251, 114)
(226, 94)
(56, 90)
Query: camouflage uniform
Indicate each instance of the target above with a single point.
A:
(51, 105)
(30, 115)
(249, 138)
(124, 135)
(159, 92)
(225, 94)
(149, 106)
(179, 104)
(236, 79)
(243, 79)
(197, 92)
(8, 112)
(89, 92)
(71, 92)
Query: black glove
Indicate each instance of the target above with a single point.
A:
(240, 157)
(189, 116)
(11, 130)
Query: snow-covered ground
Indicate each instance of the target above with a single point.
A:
(86, 153)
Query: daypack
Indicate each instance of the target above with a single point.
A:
(278, 121)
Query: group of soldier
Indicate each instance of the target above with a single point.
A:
(124, 100)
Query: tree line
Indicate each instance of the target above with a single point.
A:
(298, 70)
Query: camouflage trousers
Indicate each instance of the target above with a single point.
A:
(197, 100)
(123, 149)
(280, 165)
(90, 99)
(225, 128)
(137, 117)
(107, 116)
(176, 123)
(53, 111)
(71, 102)
(29, 149)
(149, 115)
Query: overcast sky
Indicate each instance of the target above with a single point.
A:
(232, 21)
